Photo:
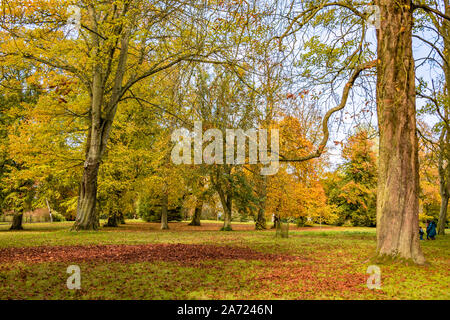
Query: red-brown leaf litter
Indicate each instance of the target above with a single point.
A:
(134, 253)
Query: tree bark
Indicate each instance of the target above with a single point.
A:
(49, 210)
(102, 113)
(197, 214)
(17, 222)
(112, 220)
(121, 219)
(260, 223)
(443, 214)
(276, 220)
(227, 212)
(226, 197)
(444, 143)
(86, 211)
(398, 178)
(164, 210)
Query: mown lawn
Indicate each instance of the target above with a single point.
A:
(313, 263)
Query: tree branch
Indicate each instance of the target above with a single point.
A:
(429, 9)
(330, 112)
(433, 46)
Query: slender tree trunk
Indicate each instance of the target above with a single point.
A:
(227, 212)
(260, 223)
(197, 214)
(276, 220)
(443, 214)
(49, 210)
(398, 179)
(226, 198)
(121, 219)
(17, 222)
(164, 210)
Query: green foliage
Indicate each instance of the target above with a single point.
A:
(304, 222)
(57, 217)
(150, 211)
(352, 188)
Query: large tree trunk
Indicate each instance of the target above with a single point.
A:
(261, 223)
(17, 222)
(197, 213)
(96, 143)
(398, 178)
(113, 220)
(86, 212)
(164, 211)
(444, 143)
(102, 114)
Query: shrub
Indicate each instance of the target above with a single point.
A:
(301, 221)
(304, 222)
(153, 213)
(57, 217)
(347, 223)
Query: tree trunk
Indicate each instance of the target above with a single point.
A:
(276, 220)
(197, 214)
(444, 143)
(112, 220)
(102, 114)
(164, 210)
(260, 223)
(17, 222)
(49, 210)
(226, 199)
(261, 220)
(227, 211)
(86, 214)
(121, 219)
(398, 177)
(443, 214)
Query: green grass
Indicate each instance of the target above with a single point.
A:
(333, 265)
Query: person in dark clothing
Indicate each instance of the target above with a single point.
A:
(421, 232)
(431, 230)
